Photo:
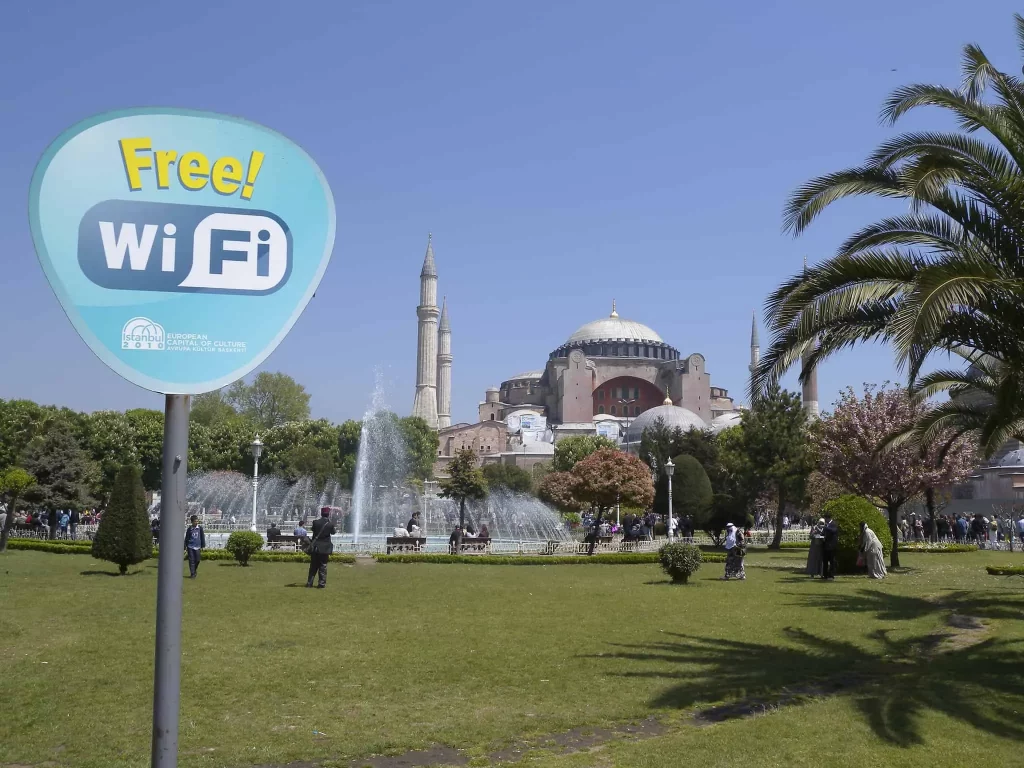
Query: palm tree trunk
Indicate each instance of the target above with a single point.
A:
(894, 557)
(779, 514)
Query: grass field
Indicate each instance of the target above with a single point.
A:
(496, 661)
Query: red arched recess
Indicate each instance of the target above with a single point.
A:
(610, 392)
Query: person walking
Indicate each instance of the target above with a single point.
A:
(871, 551)
(815, 555)
(63, 523)
(829, 545)
(320, 549)
(76, 518)
(195, 542)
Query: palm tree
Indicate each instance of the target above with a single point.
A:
(947, 276)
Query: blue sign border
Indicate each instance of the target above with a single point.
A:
(69, 306)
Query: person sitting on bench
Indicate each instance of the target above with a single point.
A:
(273, 533)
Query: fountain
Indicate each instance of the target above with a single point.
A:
(381, 499)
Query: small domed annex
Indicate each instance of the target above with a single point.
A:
(672, 416)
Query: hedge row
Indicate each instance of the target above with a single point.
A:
(795, 545)
(939, 549)
(624, 558)
(1005, 570)
(59, 547)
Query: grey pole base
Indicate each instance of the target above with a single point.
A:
(173, 504)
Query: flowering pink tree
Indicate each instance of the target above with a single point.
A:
(850, 440)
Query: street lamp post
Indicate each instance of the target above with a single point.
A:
(669, 469)
(256, 448)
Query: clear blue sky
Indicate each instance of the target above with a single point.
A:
(562, 153)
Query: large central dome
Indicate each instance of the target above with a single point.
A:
(614, 328)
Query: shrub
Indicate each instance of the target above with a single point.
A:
(680, 561)
(613, 558)
(849, 512)
(940, 548)
(54, 547)
(796, 544)
(243, 545)
(123, 536)
(1005, 570)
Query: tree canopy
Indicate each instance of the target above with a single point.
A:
(571, 450)
(854, 452)
(270, 400)
(508, 477)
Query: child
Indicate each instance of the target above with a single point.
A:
(195, 541)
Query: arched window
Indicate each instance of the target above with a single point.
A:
(613, 411)
(636, 410)
(600, 409)
(492, 417)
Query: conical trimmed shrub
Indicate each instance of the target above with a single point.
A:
(124, 537)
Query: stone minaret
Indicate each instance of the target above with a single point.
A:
(809, 395)
(444, 369)
(425, 404)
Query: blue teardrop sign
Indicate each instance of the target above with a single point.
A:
(182, 245)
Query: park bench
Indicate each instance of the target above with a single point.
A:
(284, 541)
(404, 543)
(475, 546)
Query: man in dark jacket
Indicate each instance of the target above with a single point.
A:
(52, 522)
(321, 548)
(829, 545)
(76, 518)
(195, 542)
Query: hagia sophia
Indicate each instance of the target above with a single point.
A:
(612, 376)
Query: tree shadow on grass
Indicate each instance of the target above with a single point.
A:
(894, 683)
(111, 573)
(889, 607)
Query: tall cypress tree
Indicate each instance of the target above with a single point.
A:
(124, 536)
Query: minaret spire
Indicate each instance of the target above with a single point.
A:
(444, 369)
(614, 313)
(755, 344)
(425, 403)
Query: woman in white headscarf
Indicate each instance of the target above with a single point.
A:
(735, 551)
(871, 551)
(814, 557)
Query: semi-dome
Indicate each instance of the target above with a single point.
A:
(526, 375)
(726, 420)
(672, 415)
(614, 328)
(1013, 458)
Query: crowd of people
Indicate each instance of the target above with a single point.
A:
(55, 523)
(963, 529)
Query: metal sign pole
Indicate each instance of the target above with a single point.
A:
(167, 666)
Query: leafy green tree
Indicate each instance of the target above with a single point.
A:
(464, 481)
(571, 450)
(20, 421)
(63, 471)
(420, 447)
(772, 453)
(608, 477)
(109, 442)
(13, 483)
(943, 276)
(210, 408)
(272, 399)
(559, 489)
(308, 461)
(123, 536)
(508, 476)
(691, 489)
(148, 439)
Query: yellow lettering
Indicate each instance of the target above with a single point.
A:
(193, 170)
(164, 158)
(133, 162)
(227, 175)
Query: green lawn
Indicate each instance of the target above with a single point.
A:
(393, 657)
